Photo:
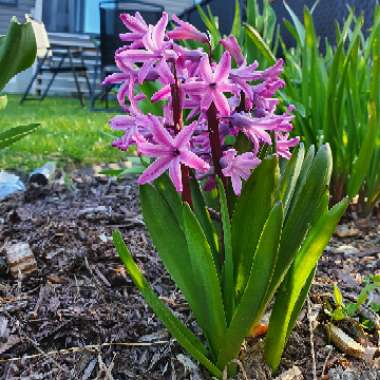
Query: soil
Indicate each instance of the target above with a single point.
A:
(80, 316)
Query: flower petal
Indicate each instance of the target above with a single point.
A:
(160, 133)
(164, 72)
(155, 170)
(175, 174)
(221, 103)
(191, 160)
(144, 71)
(162, 94)
(183, 138)
(158, 33)
(205, 70)
(223, 68)
(236, 184)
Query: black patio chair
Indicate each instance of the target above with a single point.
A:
(55, 60)
(110, 28)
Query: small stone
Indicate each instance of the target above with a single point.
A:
(21, 260)
(347, 250)
(343, 231)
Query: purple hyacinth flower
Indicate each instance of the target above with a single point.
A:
(238, 167)
(170, 153)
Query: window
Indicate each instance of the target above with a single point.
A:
(75, 16)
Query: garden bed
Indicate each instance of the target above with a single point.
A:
(82, 304)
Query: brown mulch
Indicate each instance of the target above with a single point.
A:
(80, 317)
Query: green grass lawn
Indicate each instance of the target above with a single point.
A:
(69, 135)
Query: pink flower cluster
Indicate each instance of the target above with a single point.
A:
(220, 103)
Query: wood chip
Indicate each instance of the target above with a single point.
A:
(344, 342)
(20, 259)
(343, 231)
(293, 373)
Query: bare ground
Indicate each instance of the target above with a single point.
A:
(80, 317)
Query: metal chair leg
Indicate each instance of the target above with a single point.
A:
(35, 75)
(43, 96)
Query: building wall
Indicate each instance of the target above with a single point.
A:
(6, 12)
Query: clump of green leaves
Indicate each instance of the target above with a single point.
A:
(264, 248)
(348, 310)
(336, 92)
(340, 96)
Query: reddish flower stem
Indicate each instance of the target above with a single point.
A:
(178, 125)
(216, 148)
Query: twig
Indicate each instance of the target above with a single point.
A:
(90, 347)
(312, 347)
(326, 361)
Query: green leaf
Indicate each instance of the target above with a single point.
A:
(12, 135)
(236, 24)
(168, 237)
(202, 214)
(258, 41)
(291, 289)
(122, 172)
(205, 280)
(250, 308)
(297, 24)
(211, 25)
(311, 187)
(183, 335)
(165, 187)
(338, 298)
(17, 50)
(290, 177)
(361, 166)
(228, 268)
(251, 212)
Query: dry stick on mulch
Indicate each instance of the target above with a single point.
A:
(326, 362)
(311, 331)
(90, 347)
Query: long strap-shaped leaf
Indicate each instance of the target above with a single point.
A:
(289, 293)
(302, 210)
(202, 214)
(169, 239)
(205, 280)
(228, 268)
(249, 308)
(183, 335)
(290, 177)
(14, 134)
(251, 212)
